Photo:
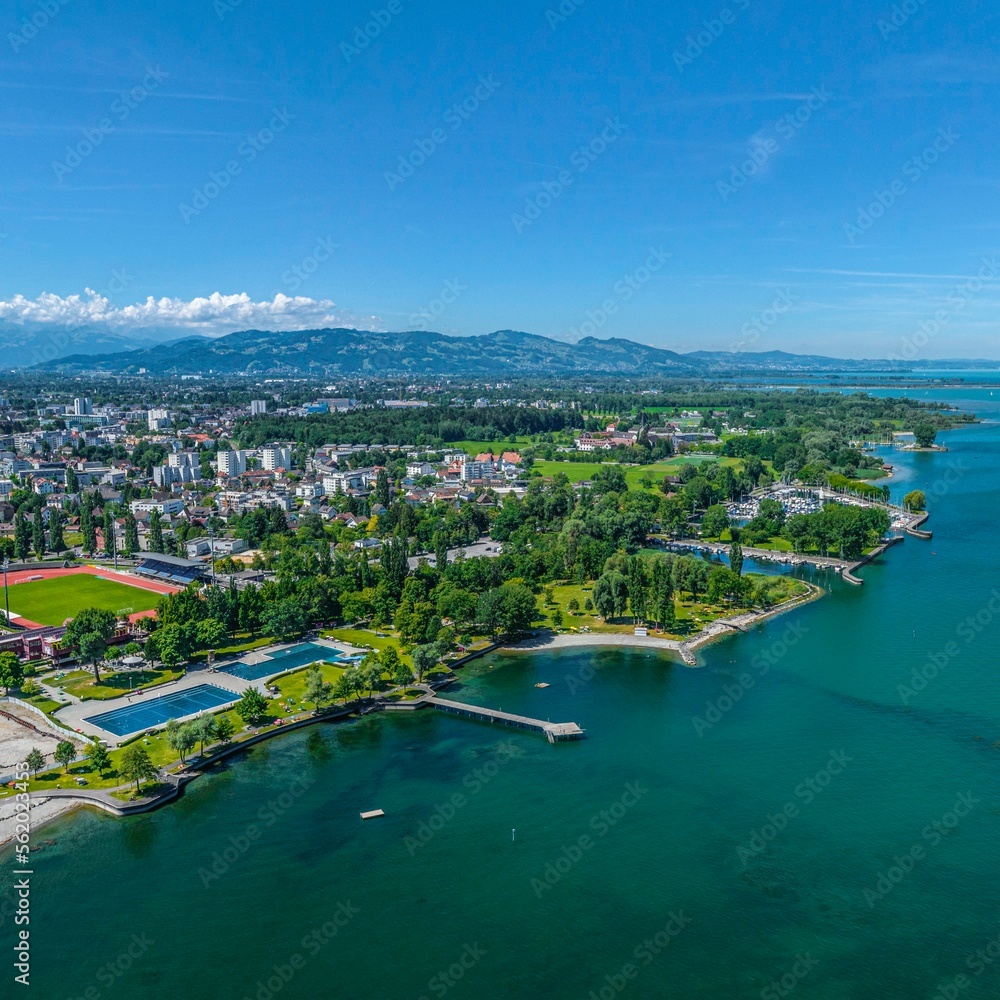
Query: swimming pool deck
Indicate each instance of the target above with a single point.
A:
(74, 716)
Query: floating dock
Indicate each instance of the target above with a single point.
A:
(374, 814)
(555, 732)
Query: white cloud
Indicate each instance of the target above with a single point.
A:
(214, 315)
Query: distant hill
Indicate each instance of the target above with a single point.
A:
(359, 353)
(24, 345)
(504, 354)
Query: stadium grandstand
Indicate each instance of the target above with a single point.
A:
(170, 569)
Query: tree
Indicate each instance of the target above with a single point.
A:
(343, 689)
(915, 500)
(90, 631)
(318, 691)
(11, 671)
(72, 482)
(441, 551)
(65, 753)
(611, 595)
(401, 674)
(35, 761)
(395, 564)
(224, 729)
(131, 533)
(489, 611)
(99, 756)
(87, 528)
(424, 658)
(371, 672)
(283, 619)
(252, 705)
(736, 555)
(56, 521)
(211, 634)
(109, 530)
(715, 521)
(518, 609)
(181, 739)
(389, 660)
(251, 608)
(638, 588)
(22, 536)
(205, 729)
(381, 492)
(38, 534)
(136, 766)
(926, 434)
(604, 600)
(155, 532)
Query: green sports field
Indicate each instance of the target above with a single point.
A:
(51, 602)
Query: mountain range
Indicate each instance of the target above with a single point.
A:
(362, 353)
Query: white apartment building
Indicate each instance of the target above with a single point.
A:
(231, 463)
(275, 456)
(162, 507)
(158, 419)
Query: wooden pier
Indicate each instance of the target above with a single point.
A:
(554, 731)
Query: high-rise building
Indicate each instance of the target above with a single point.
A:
(82, 407)
(275, 456)
(258, 407)
(231, 463)
(158, 419)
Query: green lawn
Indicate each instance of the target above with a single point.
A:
(362, 637)
(80, 683)
(583, 471)
(474, 448)
(293, 686)
(51, 602)
(237, 648)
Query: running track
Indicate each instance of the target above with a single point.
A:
(25, 575)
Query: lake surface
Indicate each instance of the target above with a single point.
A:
(719, 829)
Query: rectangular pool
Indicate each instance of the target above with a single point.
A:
(156, 711)
(284, 659)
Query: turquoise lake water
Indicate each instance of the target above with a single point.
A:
(747, 840)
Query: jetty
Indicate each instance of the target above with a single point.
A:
(555, 732)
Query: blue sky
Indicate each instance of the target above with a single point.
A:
(723, 176)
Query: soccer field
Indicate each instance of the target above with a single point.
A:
(51, 602)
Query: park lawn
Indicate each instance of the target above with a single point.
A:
(293, 686)
(576, 472)
(365, 638)
(775, 544)
(81, 684)
(51, 602)
(562, 594)
(498, 447)
(585, 471)
(156, 746)
(237, 649)
(42, 702)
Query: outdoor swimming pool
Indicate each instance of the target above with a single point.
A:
(284, 659)
(156, 711)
